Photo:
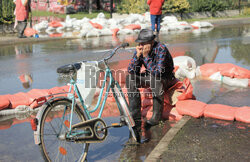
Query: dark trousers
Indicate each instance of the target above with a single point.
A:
(157, 85)
(21, 27)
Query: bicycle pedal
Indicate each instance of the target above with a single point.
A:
(116, 125)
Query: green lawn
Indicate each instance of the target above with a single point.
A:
(78, 15)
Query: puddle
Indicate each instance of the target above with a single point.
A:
(40, 61)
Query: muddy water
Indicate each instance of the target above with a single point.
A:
(39, 62)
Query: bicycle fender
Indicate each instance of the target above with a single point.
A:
(37, 135)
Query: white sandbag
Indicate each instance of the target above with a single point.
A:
(59, 29)
(197, 71)
(50, 30)
(187, 67)
(41, 26)
(93, 33)
(105, 32)
(87, 26)
(170, 19)
(125, 31)
(101, 16)
(83, 33)
(86, 81)
(202, 24)
(67, 34)
(229, 81)
(235, 82)
(102, 22)
(147, 17)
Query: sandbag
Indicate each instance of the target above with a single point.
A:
(133, 26)
(96, 25)
(234, 71)
(187, 90)
(54, 35)
(29, 32)
(55, 24)
(53, 91)
(243, 114)
(208, 69)
(192, 108)
(114, 31)
(219, 111)
(37, 93)
(4, 102)
(174, 115)
(18, 99)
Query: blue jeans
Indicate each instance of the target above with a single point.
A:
(156, 19)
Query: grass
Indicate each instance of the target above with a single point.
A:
(78, 15)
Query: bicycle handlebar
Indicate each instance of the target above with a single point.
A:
(114, 51)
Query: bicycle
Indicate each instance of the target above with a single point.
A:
(65, 129)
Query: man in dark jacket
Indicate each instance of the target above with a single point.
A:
(158, 76)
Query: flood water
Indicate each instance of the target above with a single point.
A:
(39, 62)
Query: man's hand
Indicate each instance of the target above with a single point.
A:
(139, 51)
(146, 50)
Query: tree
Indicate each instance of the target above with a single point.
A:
(132, 6)
(179, 6)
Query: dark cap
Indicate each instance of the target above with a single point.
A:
(145, 35)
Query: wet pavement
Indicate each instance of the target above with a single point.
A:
(40, 59)
(209, 140)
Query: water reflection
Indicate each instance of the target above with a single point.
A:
(23, 67)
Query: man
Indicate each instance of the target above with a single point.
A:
(155, 8)
(22, 15)
(158, 76)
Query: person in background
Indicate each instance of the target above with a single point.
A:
(159, 76)
(155, 8)
(22, 14)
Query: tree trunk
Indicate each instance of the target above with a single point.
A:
(90, 6)
(98, 5)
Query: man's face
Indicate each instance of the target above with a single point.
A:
(146, 47)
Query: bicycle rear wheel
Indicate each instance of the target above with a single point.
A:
(55, 123)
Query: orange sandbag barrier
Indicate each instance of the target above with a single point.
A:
(186, 90)
(219, 111)
(55, 24)
(234, 71)
(18, 99)
(114, 31)
(243, 114)
(209, 69)
(227, 69)
(174, 115)
(29, 32)
(192, 108)
(133, 27)
(56, 35)
(96, 25)
(4, 102)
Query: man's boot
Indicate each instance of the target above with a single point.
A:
(157, 112)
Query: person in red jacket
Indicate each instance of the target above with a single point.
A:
(155, 7)
(22, 15)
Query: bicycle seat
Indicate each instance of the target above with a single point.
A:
(65, 69)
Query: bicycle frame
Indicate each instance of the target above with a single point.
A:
(112, 83)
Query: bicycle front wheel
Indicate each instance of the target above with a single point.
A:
(55, 123)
